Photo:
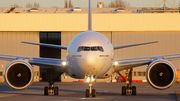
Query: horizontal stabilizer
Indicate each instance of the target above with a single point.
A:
(136, 44)
(47, 45)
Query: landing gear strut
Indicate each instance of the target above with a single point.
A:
(128, 88)
(51, 89)
(90, 91)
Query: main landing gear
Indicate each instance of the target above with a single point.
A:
(51, 80)
(51, 89)
(90, 91)
(128, 88)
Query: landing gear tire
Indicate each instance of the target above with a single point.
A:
(133, 90)
(123, 90)
(56, 91)
(46, 91)
(128, 88)
(87, 92)
(93, 93)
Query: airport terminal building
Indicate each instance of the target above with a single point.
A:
(60, 25)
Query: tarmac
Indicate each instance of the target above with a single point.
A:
(76, 92)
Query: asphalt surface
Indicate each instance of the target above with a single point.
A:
(76, 91)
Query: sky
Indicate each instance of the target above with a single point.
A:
(84, 3)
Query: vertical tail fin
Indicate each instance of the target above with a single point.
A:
(89, 17)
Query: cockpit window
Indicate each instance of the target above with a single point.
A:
(100, 49)
(94, 48)
(80, 49)
(86, 49)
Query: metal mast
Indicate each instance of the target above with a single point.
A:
(89, 17)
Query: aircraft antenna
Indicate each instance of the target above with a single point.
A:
(89, 17)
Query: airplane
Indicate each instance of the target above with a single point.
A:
(90, 55)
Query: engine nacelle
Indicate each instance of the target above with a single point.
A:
(19, 74)
(161, 74)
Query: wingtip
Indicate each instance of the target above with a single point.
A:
(23, 41)
(26, 42)
(154, 41)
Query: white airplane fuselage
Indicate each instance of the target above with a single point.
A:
(88, 60)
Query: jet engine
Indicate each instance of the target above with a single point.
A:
(161, 74)
(19, 74)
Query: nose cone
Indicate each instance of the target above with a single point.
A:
(90, 60)
(88, 64)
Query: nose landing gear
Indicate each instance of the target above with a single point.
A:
(90, 91)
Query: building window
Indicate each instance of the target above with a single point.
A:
(36, 73)
(134, 74)
(141, 73)
(1, 73)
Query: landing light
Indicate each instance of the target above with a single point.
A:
(116, 63)
(90, 79)
(64, 63)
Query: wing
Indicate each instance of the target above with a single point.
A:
(121, 64)
(44, 62)
(47, 45)
(135, 44)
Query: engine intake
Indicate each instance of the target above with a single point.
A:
(19, 74)
(161, 74)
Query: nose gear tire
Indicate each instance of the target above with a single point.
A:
(93, 93)
(87, 92)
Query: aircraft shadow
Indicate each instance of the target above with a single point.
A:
(81, 93)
